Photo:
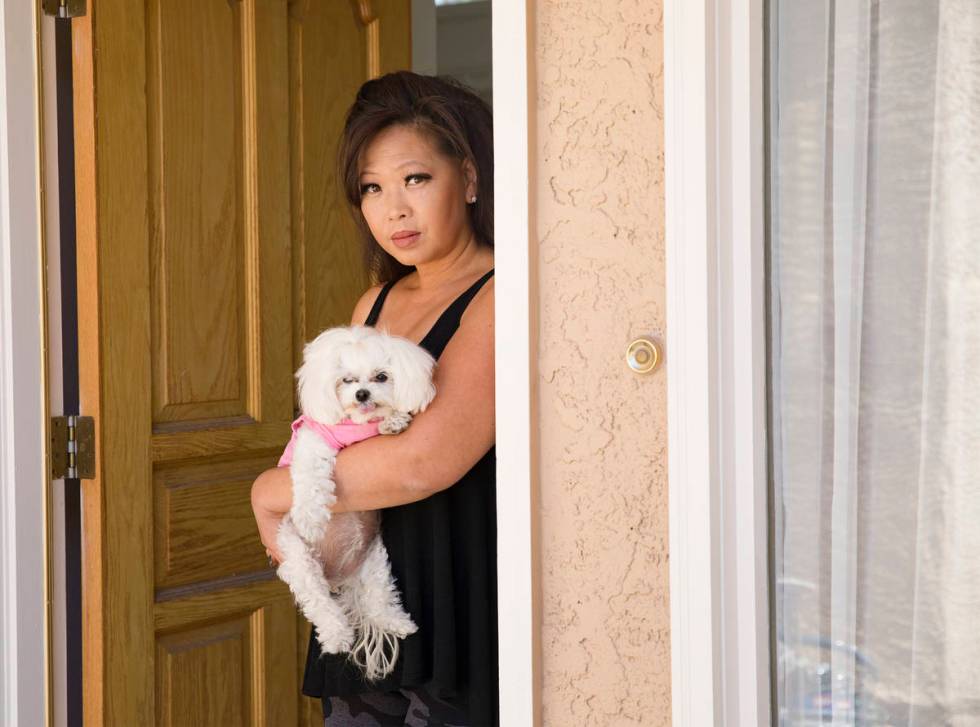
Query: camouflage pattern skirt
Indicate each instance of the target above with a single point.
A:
(400, 708)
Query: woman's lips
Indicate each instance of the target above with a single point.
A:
(402, 239)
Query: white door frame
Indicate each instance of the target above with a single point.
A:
(23, 427)
(22, 536)
(515, 353)
(714, 86)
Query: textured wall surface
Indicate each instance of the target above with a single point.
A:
(599, 215)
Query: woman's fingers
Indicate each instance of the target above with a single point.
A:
(272, 551)
(267, 520)
(274, 557)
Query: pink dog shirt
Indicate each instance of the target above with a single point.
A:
(337, 435)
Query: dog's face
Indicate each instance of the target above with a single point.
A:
(365, 388)
(361, 373)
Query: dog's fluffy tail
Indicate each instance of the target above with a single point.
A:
(375, 651)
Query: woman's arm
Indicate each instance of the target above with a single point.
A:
(440, 446)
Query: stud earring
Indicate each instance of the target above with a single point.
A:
(473, 199)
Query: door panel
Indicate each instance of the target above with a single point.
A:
(212, 245)
(199, 300)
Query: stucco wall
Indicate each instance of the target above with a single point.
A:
(599, 218)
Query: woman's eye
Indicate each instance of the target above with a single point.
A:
(381, 377)
(412, 180)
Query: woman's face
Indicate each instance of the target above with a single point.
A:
(413, 197)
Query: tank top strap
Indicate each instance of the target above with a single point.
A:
(440, 333)
(437, 338)
(378, 302)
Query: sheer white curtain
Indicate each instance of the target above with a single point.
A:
(875, 360)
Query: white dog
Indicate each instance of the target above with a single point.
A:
(355, 381)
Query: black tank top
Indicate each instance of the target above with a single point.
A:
(443, 553)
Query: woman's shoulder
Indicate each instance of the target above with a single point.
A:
(363, 306)
(481, 307)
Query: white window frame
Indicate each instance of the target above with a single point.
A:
(518, 596)
(714, 86)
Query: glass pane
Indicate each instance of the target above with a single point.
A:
(874, 342)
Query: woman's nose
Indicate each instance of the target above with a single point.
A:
(396, 212)
(397, 208)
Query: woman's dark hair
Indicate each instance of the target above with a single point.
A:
(458, 121)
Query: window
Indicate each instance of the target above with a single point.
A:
(874, 395)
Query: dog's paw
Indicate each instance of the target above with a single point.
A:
(395, 422)
(336, 640)
(401, 624)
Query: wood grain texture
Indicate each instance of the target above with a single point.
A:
(267, 233)
(365, 11)
(215, 438)
(204, 526)
(204, 675)
(89, 353)
(327, 275)
(236, 670)
(212, 245)
(310, 708)
(113, 326)
(394, 44)
(199, 296)
(276, 682)
(177, 614)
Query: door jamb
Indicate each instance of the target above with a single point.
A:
(715, 153)
(518, 586)
(24, 481)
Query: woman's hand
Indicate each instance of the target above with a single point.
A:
(272, 496)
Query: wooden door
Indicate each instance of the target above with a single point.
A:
(212, 244)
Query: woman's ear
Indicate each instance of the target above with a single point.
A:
(469, 179)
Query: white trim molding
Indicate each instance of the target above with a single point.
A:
(515, 354)
(714, 83)
(23, 614)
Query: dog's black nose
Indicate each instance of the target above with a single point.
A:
(362, 395)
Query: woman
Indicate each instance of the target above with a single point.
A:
(416, 161)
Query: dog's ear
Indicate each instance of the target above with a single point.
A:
(317, 376)
(411, 368)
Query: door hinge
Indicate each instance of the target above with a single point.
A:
(72, 447)
(63, 8)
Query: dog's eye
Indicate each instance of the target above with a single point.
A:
(348, 380)
(381, 377)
